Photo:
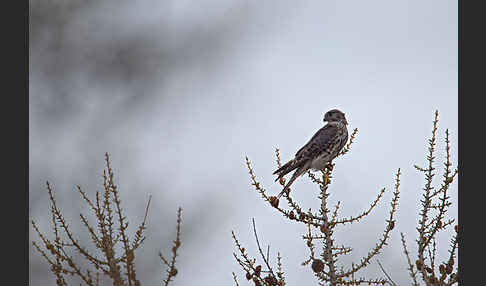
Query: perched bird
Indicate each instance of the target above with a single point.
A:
(321, 149)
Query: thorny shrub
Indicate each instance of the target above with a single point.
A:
(320, 226)
(108, 235)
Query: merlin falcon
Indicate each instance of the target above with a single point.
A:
(321, 149)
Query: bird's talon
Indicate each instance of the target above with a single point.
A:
(325, 178)
(330, 166)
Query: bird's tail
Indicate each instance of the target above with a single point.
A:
(285, 169)
(296, 174)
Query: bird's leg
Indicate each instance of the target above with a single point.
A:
(325, 175)
(325, 178)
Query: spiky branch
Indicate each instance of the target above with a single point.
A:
(108, 236)
(324, 265)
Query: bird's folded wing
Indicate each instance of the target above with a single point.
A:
(318, 143)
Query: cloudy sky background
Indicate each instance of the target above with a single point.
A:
(179, 92)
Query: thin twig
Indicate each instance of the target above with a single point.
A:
(260, 249)
(386, 274)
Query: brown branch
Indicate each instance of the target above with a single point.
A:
(103, 237)
(234, 278)
(426, 202)
(171, 270)
(386, 234)
(351, 140)
(390, 281)
(260, 249)
(364, 213)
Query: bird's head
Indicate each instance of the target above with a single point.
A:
(334, 115)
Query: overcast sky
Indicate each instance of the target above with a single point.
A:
(179, 92)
